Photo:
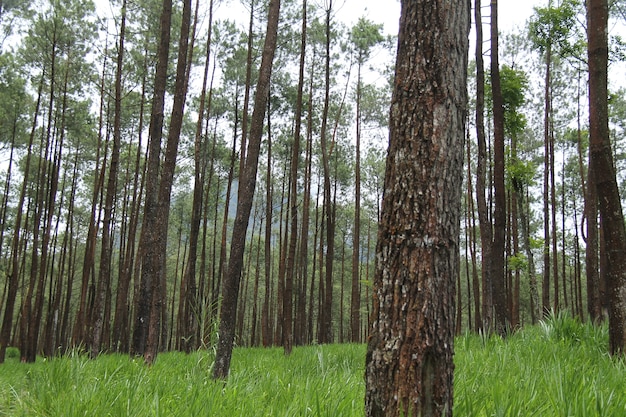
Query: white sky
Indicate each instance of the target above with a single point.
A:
(511, 13)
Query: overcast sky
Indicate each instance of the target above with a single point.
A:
(511, 13)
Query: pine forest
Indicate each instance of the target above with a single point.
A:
(182, 175)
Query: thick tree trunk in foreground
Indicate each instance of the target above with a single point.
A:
(609, 204)
(409, 368)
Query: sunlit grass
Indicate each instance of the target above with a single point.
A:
(559, 368)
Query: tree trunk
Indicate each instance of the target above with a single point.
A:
(13, 277)
(471, 231)
(266, 326)
(293, 198)
(244, 204)
(104, 275)
(409, 367)
(498, 276)
(191, 296)
(609, 203)
(355, 294)
(149, 280)
(545, 289)
(326, 328)
(155, 329)
(486, 233)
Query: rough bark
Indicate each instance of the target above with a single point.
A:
(409, 367)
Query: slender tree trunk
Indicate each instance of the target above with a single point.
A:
(303, 262)
(155, 329)
(104, 275)
(293, 178)
(13, 277)
(149, 279)
(498, 275)
(326, 332)
(545, 290)
(471, 231)
(553, 207)
(121, 322)
(266, 326)
(246, 98)
(522, 209)
(355, 295)
(191, 297)
(244, 204)
(83, 315)
(70, 242)
(486, 233)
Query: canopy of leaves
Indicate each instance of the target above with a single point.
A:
(364, 36)
(514, 86)
(554, 28)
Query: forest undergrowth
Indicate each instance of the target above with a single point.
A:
(558, 368)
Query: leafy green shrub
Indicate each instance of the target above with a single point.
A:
(12, 353)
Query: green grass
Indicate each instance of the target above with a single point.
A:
(559, 368)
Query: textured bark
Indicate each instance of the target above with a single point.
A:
(409, 368)
(609, 203)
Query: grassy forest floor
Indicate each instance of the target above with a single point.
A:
(558, 368)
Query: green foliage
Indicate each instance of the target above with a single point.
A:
(518, 262)
(520, 174)
(364, 36)
(555, 28)
(15, 103)
(514, 83)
